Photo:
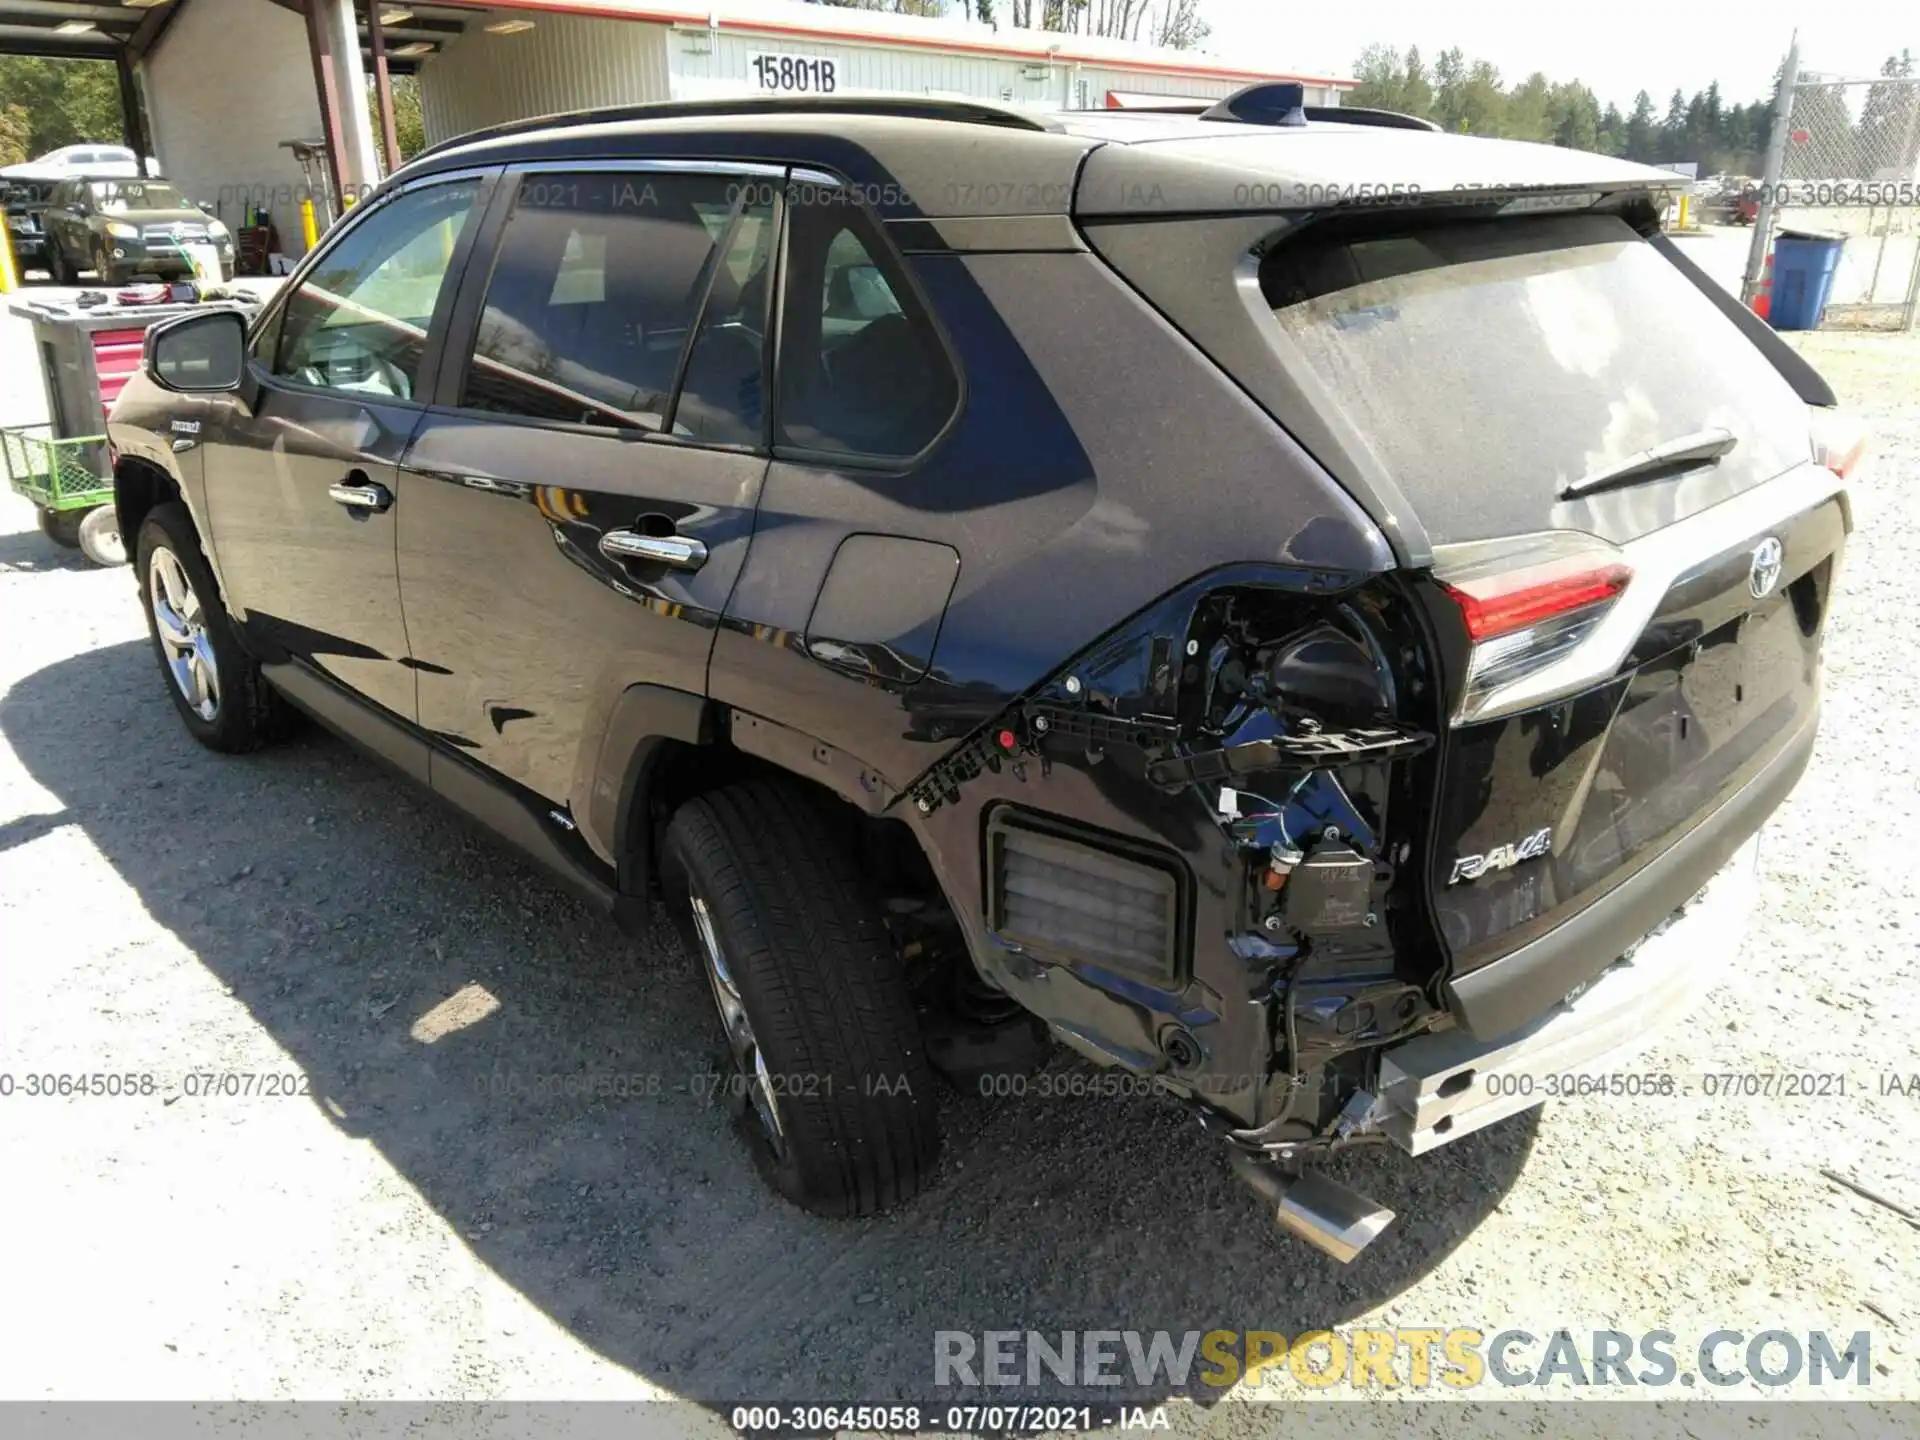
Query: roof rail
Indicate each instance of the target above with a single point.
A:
(905, 107)
(1285, 104)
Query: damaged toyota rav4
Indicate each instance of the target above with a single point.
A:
(1303, 609)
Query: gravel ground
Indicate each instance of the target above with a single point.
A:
(405, 1231)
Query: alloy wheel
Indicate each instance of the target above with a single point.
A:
(180, 621)
(750, 1063)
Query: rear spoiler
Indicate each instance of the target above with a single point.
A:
(1793, 368)
(1286, 104)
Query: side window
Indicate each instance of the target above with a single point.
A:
(359, 319)
(722, 399)
(267, 341)
(862, 369)
(594, 292)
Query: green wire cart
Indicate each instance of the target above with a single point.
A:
(67, 481)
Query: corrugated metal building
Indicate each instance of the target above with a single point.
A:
(532, 57)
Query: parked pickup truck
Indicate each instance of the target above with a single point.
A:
(1305, 610)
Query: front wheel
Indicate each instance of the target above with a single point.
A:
(216, 686)
(834, 1095)
(109, 274)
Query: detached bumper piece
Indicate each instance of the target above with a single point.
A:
(1438, 1087)
(1297, 754)
(1023, 734)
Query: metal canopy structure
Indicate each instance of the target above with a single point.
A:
(394, 37)
(84, 30)
(70, 30)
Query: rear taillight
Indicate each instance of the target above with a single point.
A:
(1839, 441)
(1525, 606)
(1499, 604)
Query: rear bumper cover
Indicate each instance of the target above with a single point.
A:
(1499, 998)
(1438, 1087)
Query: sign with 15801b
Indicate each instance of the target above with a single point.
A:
(796, 74)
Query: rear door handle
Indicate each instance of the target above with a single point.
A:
(677, 552)
(364, 496)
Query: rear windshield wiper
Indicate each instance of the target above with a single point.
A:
(1669, 457)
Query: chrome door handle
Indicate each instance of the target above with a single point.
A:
(361, 497)
(677, 552)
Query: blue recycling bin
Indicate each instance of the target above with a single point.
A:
(1803, 266)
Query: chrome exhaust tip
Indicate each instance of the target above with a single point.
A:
(1329, 1216)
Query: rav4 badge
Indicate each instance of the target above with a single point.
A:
(1502, 857)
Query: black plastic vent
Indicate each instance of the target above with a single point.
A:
(1069, 896)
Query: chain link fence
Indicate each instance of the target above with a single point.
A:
(1850, 167)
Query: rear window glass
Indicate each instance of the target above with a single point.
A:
(1489, 364)
(597, 284)
(862, 370)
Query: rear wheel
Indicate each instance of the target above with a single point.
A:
(99, 537)
(60, 526)
(833, 1093)
(216, 686)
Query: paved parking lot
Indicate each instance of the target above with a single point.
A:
(438, 1212)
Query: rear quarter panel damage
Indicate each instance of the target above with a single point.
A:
(1100, 465)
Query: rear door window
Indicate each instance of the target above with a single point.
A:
(1489, 365)
(862, 368)
(595, 294)
(723, 395)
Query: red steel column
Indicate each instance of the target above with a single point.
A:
(329, 96)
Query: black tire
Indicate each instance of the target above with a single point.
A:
(60, 526)
(57, 266)
(247, 712)
(106, 269)
(822, 988)
(100, 539)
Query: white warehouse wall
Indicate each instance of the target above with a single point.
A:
(564, 63)
(573, 63)
(708, 67)
(228, 82)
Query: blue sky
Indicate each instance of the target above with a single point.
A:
(1618, 46)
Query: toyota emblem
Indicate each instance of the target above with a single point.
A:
(1764, 573)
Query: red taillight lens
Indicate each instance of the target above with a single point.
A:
(1526, 604)
(1839, 442)
(1500, 603)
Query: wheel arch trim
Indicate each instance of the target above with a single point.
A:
(616, 765)
(648, 726)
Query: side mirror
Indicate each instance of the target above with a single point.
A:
(199, 353)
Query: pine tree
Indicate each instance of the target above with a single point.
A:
(1889, 130)
(1641, 130)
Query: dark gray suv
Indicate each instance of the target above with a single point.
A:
(1309, 612)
